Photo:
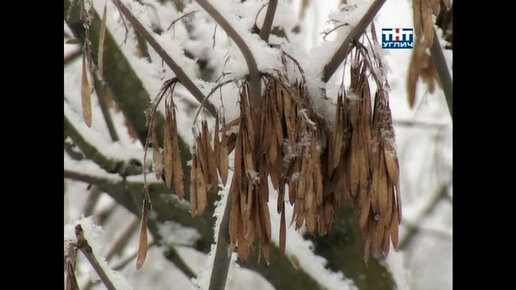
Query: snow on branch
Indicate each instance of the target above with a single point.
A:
(88, 142)
(86, 236)
(343, 50)
(180, 74)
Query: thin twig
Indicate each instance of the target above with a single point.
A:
(356, 32)
(92, 200)
(267, 22)
(121, 242)
(72, 56)
(82, 244)
(421, 124)
(435, 232)
(180, 74)
(127, 260)
(209, 95)
(176, 20)
(442, 70)
(254, 74)
(326, 33)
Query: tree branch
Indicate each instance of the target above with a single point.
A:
(72, 152)
(72, 56)
(82, 244)
(180, 74)
(420, 124)
(442, 70)
(127, 88)
(92, 200)
(102, 90)
(412, 231)
(91, 152)
(168, 208)
(220, 268)
(222, 255)
(356, 32)
(254, 75)
(267, 22)
(122, 240)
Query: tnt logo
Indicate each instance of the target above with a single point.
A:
(397, 38)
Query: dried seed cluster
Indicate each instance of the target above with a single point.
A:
(421, 64)
(283, 140)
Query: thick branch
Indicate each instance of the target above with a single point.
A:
(355, 33)
(267, 22)
(82, 244)
(254, 74)
(442, 71)
(220, 269)
(109, 164)
(180, 74)
(222, 257)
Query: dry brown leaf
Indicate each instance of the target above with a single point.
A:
(201, 191)
(383, 190)
(167, 146)
(265, 210)
(391, 162)
(364, 212)
(157, 158)
(234, 217)
(394, 230)
(224, 152)
(436, 7)
(216, 142)
(283, 234)
(418, 26)
(428, 24)
(193, 185)
(102, 36)
(85, 94)
(143, 244)
(212, 162)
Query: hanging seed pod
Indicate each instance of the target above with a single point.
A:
(157, 157)
(85, 94)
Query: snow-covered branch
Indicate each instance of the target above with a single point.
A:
(84, 246)
(110, 164)
(180, 74)
(269, 17)
(343, 50)
(254, 74)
